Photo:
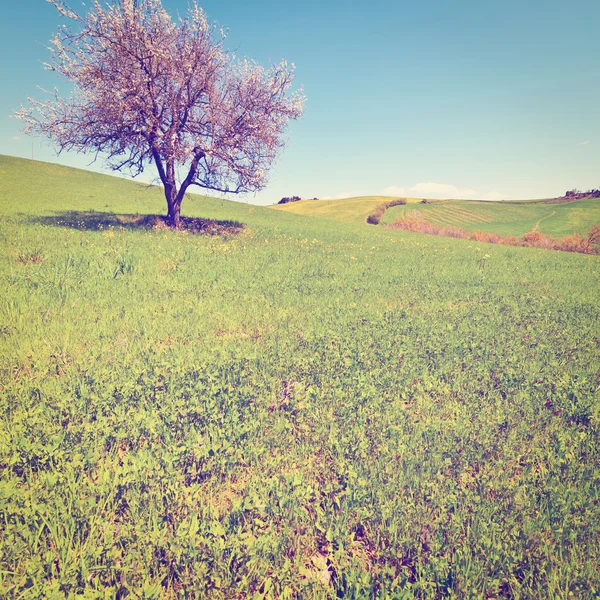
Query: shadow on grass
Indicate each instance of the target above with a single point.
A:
(99, 221)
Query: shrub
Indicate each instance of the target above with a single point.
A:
(287, 199)
(455, 232)
(375, 217)
(511, 240)
(594, 235)
(533, 239)
(487, 237)
(573, 243)
(536, 239)
(408, 224)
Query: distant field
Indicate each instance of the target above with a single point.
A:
(505, 218)
(349, 210)
(297, 410)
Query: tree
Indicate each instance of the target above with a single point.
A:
(148, 89)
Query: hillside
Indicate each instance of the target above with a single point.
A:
(350, 210)
(505, 218)
(287, 409)
(40, 188)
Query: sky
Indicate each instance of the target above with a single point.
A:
(431, 98)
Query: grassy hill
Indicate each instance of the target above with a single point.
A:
(43, 189)
(350, 210)
(291, 411)
(505, 218)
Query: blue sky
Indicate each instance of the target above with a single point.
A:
(468, 98)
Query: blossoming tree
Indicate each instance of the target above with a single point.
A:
(149, 89)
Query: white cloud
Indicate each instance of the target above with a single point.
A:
(15, 138)
(493, 196)
(584, 143)
(394, 190)
(424, 190)
(441, 190)
(338, 196)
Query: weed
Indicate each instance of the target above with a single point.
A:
(26, 257)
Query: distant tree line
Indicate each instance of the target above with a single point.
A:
(287, 199)
(577, 194)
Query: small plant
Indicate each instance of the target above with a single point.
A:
(27, 257)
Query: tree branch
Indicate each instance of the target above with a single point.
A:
(198, 156)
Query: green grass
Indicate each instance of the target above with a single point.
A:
(555, 220)
(296, 411)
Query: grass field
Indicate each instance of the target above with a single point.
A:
(505, 218)
(294, 411)
(349, 210)
(555, 220)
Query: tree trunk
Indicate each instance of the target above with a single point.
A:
(174, 215)
(167, 176)
(174, 206)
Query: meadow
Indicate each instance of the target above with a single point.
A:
(287, 407)
(555, 220)
(505, 218)
(350, 210)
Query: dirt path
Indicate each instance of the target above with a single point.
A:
(542, 219)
